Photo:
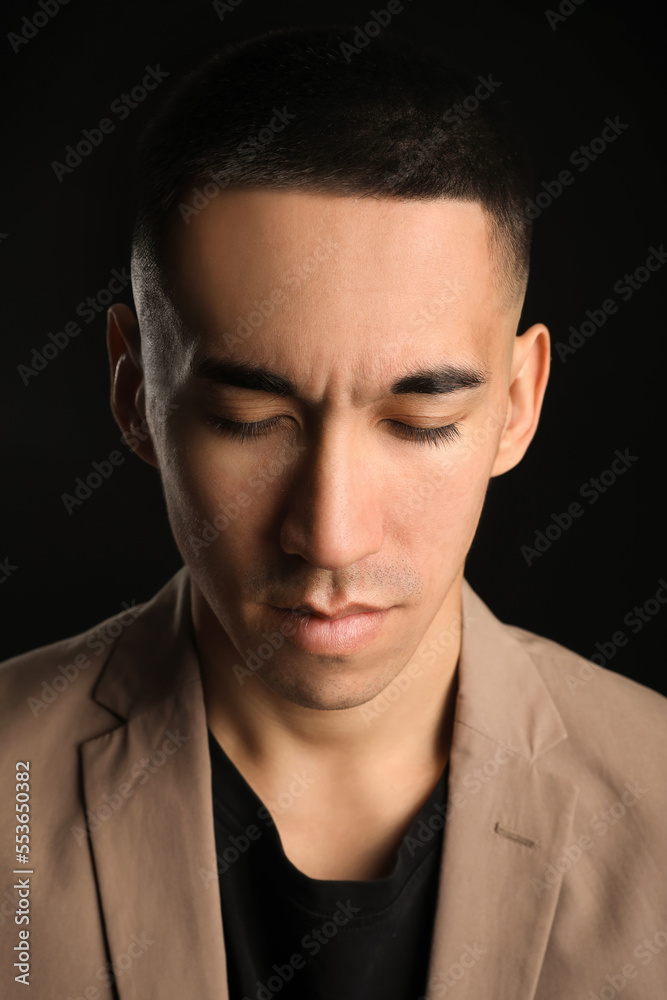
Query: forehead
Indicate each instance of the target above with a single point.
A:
(311, 279)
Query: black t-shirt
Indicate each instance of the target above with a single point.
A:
(301, 938)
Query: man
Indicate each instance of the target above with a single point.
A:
(315, 764)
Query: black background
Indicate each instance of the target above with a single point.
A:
(61, 241)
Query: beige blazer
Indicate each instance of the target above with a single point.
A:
(552, 884)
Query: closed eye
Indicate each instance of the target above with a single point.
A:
(426, 435)
(241, 430)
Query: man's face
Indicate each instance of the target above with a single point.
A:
(333, 503)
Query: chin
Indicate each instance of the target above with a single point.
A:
(325, 695)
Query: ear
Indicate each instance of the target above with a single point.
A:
(529, 373)
(128, 402)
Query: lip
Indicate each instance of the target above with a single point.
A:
(349, 609)
(347, 632)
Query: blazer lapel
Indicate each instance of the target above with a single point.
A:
(507, 820)
(147, 789)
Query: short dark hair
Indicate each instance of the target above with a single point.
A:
(309, 109)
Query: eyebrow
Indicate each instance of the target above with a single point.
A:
(245, 376)
(438, 380)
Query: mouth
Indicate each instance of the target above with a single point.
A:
(341, 633)
(331, 615)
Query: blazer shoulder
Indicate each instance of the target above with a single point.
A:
(35, 679)
(599, 707)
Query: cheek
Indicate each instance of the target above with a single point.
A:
(440, 501)
(440, 511)
(220, 496)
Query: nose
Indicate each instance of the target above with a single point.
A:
(334, 516)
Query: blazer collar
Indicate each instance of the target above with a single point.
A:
(155, 654)
(507, 820)
(501, 693)
(148, 798)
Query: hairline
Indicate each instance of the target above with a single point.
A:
(510, 283)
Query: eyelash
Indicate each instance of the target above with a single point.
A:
(426, 435)
(239, 430)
